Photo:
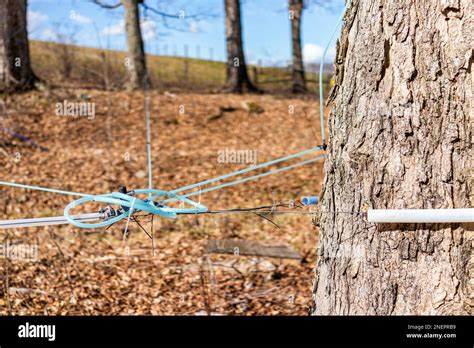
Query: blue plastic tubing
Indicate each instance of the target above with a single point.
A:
(132, 202)
(258, 176)
(148, 205)
(243, 171)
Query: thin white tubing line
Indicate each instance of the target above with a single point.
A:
(130, 212)
(148, 133)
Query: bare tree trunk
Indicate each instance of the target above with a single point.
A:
(237, 77)
(298, 80)
(136, 64)
(15, 69)
(400, 137)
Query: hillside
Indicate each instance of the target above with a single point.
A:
(90, 67)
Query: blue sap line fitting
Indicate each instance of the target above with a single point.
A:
(310, 200)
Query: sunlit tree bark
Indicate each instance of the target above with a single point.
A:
(400, 136)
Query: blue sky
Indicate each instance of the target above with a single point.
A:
(265, 22)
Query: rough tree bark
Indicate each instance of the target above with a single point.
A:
(15, 67)
(237, 78)
(136, 64)
(298, 79)
(400, 136)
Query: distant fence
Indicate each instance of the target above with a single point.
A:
(185, 51)
(281, 78)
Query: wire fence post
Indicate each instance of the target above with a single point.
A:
(211, 53)
(256, 72)
(186, 64)
(255, 76)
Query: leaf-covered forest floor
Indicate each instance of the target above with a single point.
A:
(83, 272)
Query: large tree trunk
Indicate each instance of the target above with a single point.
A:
(399, 137)
(298, 80)
(15, 69)
(136, 64)
(237, 78)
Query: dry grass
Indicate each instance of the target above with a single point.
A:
(71, 65)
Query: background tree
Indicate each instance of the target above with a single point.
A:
(237, 77)
(15, 66)
(399, 137)
(136, 64)
(295, 8)
(136, 52)
(295, 11)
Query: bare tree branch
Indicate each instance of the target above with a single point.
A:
(326, 5)
(160, 13)
(175, 16)
(105, 5)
